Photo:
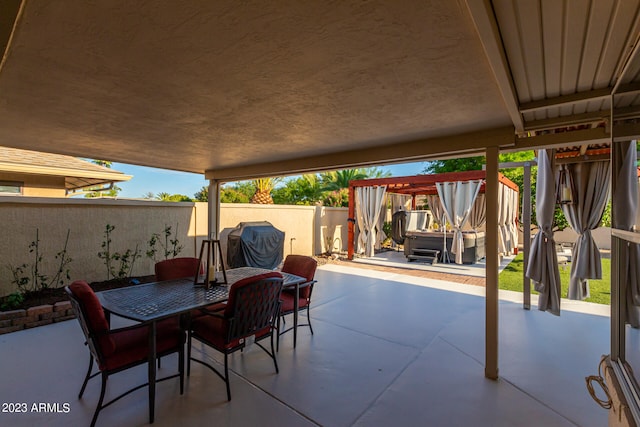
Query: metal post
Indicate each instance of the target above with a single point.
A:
(526, 234)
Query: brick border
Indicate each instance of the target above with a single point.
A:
(17, 320)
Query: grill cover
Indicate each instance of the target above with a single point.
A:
(255, 244)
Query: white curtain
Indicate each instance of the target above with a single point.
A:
(543, 260)
(591, 192)
(399, 202)
(369, 204)
(457, 199)
(478, 215)
(503, 235)
(436, 208)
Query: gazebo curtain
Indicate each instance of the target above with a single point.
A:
(436, 208)
(478, 215)
(398, 202)
(513, 218)
(624, 216)
(457, 199)
(504, 236)
(543, 260)
(591, 192)
(369, 203)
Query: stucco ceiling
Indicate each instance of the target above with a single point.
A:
(235, 89)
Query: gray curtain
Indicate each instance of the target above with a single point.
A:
(543, 260)
(457, 199)
(513, 218)
(624, 216)
(478, 215)
(591, 192)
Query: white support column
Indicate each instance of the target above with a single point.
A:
(491, 287)
(214, 209)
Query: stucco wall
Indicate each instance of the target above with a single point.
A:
(135, 222)
(37, 185)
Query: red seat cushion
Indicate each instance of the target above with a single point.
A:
(132, 345)
(220, 306)
(213, 329)
(288, 299)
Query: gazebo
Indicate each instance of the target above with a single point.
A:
(453, 197)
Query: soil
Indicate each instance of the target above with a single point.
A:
(54, 295)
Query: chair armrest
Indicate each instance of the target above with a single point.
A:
(307, 284)
(219, 313)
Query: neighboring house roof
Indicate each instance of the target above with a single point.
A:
(78, 173)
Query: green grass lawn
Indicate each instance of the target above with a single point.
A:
(511, 279)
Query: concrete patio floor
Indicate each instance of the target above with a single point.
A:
(388, 349)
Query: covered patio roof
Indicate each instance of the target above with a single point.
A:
(241, 91)
(244, 90)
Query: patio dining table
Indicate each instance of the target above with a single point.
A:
(151, 302)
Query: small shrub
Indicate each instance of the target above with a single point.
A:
(126, 260)
(28, 278)
(12, 301)
(170, 248)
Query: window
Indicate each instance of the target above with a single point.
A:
(10, 188)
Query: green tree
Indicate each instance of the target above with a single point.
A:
(455, 165)
(335, 180)
(166, 197)
(301, 190)
(202, 195)
(96, 192)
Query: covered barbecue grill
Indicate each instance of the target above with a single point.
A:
(255, 244)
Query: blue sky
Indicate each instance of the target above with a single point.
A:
(146, 180)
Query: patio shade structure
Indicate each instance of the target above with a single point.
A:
(311, 86)
(448, 194)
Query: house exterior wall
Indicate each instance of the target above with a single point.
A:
(135, 222)
(37, 185)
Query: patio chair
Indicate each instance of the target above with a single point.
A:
(119, 349)
(303, 266)
(251, 311)
(178, 268)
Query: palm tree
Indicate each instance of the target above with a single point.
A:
(336, 180)
(264, 186)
